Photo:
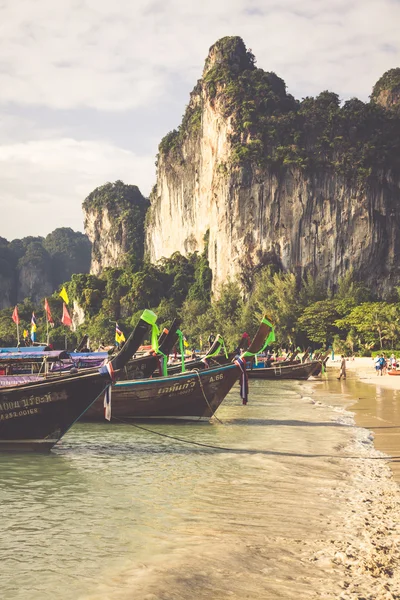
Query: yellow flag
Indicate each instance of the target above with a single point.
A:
(64, 295)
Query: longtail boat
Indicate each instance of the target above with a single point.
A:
(195, 394)
(322, 360)
(35, 415)
(277, 371)
(192, 395)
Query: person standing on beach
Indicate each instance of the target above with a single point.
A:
(342, 372)
(381, 364)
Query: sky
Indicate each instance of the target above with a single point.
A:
(89, 87)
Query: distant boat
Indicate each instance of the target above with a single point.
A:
(277, 371)
(214, 357)
(192, 395)
(35, 415)
(195, 394)
(144, 366)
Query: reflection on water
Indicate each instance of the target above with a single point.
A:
(115, 512)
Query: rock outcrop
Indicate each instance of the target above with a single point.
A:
(305, 185)
(386, 91)
(114, 223)
(78, 315)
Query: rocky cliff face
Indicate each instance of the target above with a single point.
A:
(302, 185)
(114, 223)
(386, 91)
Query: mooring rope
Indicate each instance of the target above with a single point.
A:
(254, 450)
(205, 397)
(172, 437)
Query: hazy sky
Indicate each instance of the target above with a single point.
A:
(89, 87)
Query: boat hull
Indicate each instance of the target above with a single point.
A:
(35, 416)
(298, 371)
(176, 398)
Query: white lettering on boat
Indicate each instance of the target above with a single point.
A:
(178, 388)
(29, 401)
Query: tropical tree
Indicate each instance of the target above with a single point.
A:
(276, 294)
(317, 321)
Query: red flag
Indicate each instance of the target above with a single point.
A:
(15, 316)
(66, 319)
(48, 313)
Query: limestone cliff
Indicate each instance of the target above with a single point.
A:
(114, 223)
(308, 185)
(386, 91)
(78, 315)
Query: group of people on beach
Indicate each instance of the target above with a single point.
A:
(382, 364)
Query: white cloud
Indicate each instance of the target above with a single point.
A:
(61, 61)
(44, 182)
(119, 55)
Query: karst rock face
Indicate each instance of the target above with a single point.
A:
(114, 223)
(386, 91)
(261, 197)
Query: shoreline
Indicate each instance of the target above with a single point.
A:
(363, 368)
(376, 406)
(367, 552)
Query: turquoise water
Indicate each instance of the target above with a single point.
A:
(115, 512)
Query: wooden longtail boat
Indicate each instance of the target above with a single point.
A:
(298, 371)
(212, 359)
(35, 415)
(192, 395)
(323, 359)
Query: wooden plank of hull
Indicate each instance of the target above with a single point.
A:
(301, 371)
(169, 397)
(36, 416)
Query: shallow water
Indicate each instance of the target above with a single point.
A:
(375, 408)
(117, 513)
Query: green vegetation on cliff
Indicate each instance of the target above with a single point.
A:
(271, 129)
(388, 82)
(48, 261)
(120, 295)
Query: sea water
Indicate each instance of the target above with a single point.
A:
(115, 512)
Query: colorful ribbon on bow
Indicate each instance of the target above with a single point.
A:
(181, 349)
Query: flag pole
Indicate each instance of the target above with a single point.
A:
(18, 332)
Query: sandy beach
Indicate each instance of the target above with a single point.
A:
(371, 534)
(364, 370)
